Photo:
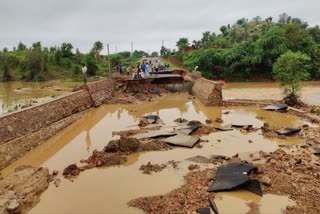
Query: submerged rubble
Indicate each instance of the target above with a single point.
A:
(148, 168)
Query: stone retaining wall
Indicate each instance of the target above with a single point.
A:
(208, 92)
(27, 128)
(101, 91)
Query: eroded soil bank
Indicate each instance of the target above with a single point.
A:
(110, 189)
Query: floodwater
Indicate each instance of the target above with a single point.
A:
(239, 199)
(107, 190)
(12, 93)
(310, 93)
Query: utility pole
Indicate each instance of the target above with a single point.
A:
(109, 60)
(131, 53)
(162, 43)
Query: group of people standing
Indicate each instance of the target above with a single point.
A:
(144, 68)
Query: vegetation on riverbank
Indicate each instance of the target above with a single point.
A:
(248, 49)
(62, 62)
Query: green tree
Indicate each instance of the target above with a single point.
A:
(155, 54)
(6, 70)
(21, 46)
(224, 30)
(182, 43)
(37, 45)
(97, 46)
(290, 70)
(66, 50)
(91, 64)
(165, 52)
(293, 31)
(36, 64)
(283, 18)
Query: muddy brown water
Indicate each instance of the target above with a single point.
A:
(9, 95)
(12, 93)
(310, 93)
(107, 190)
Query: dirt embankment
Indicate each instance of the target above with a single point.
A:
(21, 190)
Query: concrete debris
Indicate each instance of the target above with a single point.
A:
(288, 131)
(182, 140)
(276, 107)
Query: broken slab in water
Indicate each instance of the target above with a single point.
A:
(253, 186)
(241, 125)
(213, 206)
(223, 128)
(276, 107)
(150, 119)
(186, 129)
(234, 176)
(288, 131)
(154, 134)
(182, 140)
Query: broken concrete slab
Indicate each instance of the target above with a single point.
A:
(276, 107)
(223, 128)
(203, 210)
(213, 206)
(208, 92)
(242, 125)
(253, 186)
(154, 134)
(231, 176)
(186, 129)
(288, 131)
(150, 119)
(182, 140)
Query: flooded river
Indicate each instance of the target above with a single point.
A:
(310, 93)
(11, 93)
(107, 190)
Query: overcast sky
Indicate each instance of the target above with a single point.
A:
(144, 22)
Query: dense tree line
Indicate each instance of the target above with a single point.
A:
(38, 63)
(249, 48)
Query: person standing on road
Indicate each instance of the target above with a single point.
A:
(120, 68)
(157, 66)
(147, 68)
(84, 73)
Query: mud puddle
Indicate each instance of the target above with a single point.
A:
(107, 190)
(240, 199)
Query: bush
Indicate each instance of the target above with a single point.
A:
(290, 70)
